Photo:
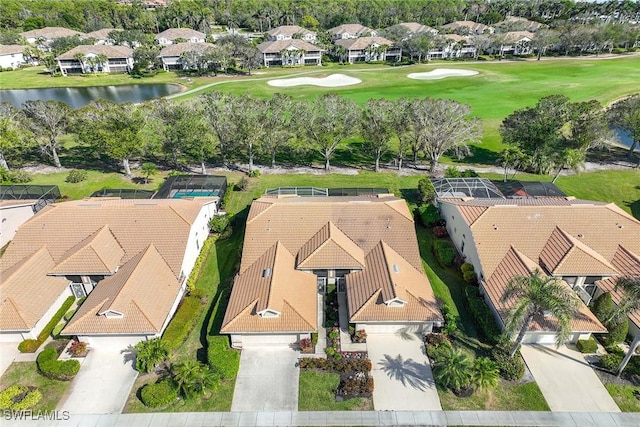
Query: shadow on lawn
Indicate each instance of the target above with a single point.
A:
(481, 155)
(635, 206)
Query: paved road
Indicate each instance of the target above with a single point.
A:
(401, 374)
(566, 380)
(267, 380)
(102, 385)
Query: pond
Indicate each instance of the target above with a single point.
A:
(78, 97)
(624, 139)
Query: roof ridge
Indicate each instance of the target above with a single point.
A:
(278, 245)
(144, 314)
(392, 204)
(384, 247)
(364, 304)
(16, 309)
(19, 265)
(298, 313)
(75, 319)
(586, 249)
(230, 322)
(180, 215)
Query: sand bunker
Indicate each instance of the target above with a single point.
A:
(442, 73)
(334, 80)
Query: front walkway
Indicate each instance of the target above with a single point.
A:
(566, 380)
(8, 352)
(401, 374)
(355, 418)
(267, 380)
(102, 384)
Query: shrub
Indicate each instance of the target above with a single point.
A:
(254, 173)
(454, 172)
(218, 223)
(56, 331)
(80, 301)
(314, 338)
(360, 336)
(444, 251)
(430, 216)
(426, 191)
(440, 231)
(242, 184)
(8, 395)
(182, 322)
(603, 307)
(305, 345)
(587, 346)
(30, 346)
(610, 362)
(482, 314)
(466, 267)
(74, 176)
(69, 314)
(221, 357)
(355, 384)
(511, 368)
(470, 277)
(50, 367)
(617, 332)
(29, 400)
(450, 319)
(159, 394)
(77, 348)
(197, 266)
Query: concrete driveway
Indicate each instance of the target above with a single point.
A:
(566, 380)
(267, 380)
(8, 352)
(401, 374)
(103, 383)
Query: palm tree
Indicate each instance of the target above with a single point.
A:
(454, 369)
(100, 59)
(538, 295)
(193, 377)
(571, 159)
(486, 374)
(629, 302)
(510, 156)
(150, 354)
(80, 58)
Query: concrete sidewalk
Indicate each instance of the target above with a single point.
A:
(355, 418)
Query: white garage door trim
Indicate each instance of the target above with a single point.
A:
(269, 340)
(393, 328)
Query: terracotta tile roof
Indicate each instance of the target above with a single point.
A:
(178, 49)
(142, 292)
(102, 34)
(456, 38)
(272, 285)
(609, 285)
(472, 213)
(362, 43)
(10, 49)
(626, 262)
(50, 33)
(289, 30)
(417, 28)
(472, 26)
(98, 254)
(330, 248)
(280, 45)
(390, 289)
(179, 33)
(26, 292)
(564, 255)
(355, 29)
(523, 23)
(516, 36)
(98, 49)
(98, 231)
(513, 264)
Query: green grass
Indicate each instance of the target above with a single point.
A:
(505, 397)
(317, 393)
(26, 373)
(624, 398)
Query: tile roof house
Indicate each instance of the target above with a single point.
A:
(588, 245)
(290, 52)
(414, 28)
(129, 257)
(370, 49)
(289, 32)
(517, 43)
(516, 23)
(170, 36)
(171, 55)
(119, 59)
(468, 28)
(48, 34)
(351, 31)
(12, 55)
(102, 36)
(295, 245)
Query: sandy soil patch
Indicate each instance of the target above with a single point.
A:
(334, 80)
(442, 73)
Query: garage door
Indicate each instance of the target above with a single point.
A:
(392, 328)
(533, 338)
(266, 340)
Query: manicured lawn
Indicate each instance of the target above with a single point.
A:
(505, 397)
(624, 397)
(26, 374)
(317, 394)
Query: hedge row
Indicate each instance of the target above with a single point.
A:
(429, 215)
(482, 314)
(182, 322)
(50, 367)
(225, 360)
(587, 346)
(30, 346)
(195, 272)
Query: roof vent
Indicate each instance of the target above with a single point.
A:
(266, 272)
(581, 235)
(620, 225)
(396, 269)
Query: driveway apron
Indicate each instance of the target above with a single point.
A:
(566, 380)
(401, 373)
(102, 384)
(267, 380)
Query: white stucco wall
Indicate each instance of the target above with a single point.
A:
(13, 60)
(198, 234)
(12, 217)
(240, 341)
(460, 232)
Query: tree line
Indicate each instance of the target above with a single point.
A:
(228, 128)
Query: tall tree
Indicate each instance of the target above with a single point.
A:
(630, 302)
(625, 115)
(48, 120)
(326, 122)
(510, 157)
(280, 124)
(218, 110)
(14, 137)
(377, 127)
(569, 159)
(535, 296)
(249, 116)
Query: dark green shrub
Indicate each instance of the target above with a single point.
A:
(182, 322)
(159, 394)
(243, 184)
(50, 367)
(221, 357)
(430, 216)
(74, 176)
(466, 267)
(610, 362)
(470, 277)
(427, 194)
(218, 223)
(587, 346)
(450, 319)
(80, 301)
(617, 333)
(603, 307)
(444, 251)
(482, 314)
(314, 338)
(511, 368)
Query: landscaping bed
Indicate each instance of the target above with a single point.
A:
(27, 375)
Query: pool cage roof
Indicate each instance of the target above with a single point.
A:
(324, 192)
(43, 194)
(199, 185)
(480, 188)
(124, 193)
(529, 189)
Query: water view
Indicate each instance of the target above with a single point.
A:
(78, 97)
